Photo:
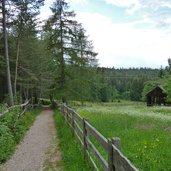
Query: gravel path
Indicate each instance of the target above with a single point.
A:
(31, 152)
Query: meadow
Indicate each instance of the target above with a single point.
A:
(145, 132)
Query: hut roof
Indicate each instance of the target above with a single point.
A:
(160, 87)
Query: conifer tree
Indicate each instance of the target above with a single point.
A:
(24, 23)
(69, 45)
(6, 53)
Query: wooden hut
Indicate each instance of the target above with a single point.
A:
(156, 96)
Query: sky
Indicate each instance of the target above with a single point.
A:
(125, 33)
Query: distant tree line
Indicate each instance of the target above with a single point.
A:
(128, 84)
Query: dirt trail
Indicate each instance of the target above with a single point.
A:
(31, 153)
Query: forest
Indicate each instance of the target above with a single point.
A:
(55, 59)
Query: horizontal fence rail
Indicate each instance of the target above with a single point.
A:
(22, 106)
(87, 134)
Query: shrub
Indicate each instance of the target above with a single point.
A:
(7, 142)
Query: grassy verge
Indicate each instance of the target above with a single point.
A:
(115, 103)
(71, 151)
(145, 139)
(54, 159)
(12, 130)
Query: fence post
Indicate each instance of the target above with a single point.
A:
(84, 137)
(116, 142)
(62, 109)
(67, 114)
(73, 123)
(110, 156)
(64, 112)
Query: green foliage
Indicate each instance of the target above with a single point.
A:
(12, 130)
(166, 85)
(7, 142)
(71, 151)
(10, 118)
(163, 80)
(136, 88)
(144, 132)
(113, 84)
(72, 53)
(3, 108)
(45, 101)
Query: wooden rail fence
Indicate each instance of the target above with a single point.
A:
(86, 134)
(22, 106)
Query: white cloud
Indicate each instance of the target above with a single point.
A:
(131, 5)
(45, 11)
(132, 10)
(124, 45)
(150, 8)
(153, 4)
(122, 3)
(77, 1)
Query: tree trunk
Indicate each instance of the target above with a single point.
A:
(18, 53)
(16, 65)
(7, 54)
(62, 80)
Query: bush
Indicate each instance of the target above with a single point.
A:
(45, 102)
(7, 142)
(10, 118)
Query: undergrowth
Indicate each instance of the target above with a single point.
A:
(3, 108)
(12, 130)
(71, 151)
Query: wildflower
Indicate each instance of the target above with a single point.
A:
(157, 139)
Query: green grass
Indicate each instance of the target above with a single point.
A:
(145, 132)
(71, 151)
(116, 103)
(13, 130)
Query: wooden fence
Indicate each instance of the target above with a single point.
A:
(23, 108)
(88, 135)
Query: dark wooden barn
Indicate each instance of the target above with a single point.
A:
(156, 96)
